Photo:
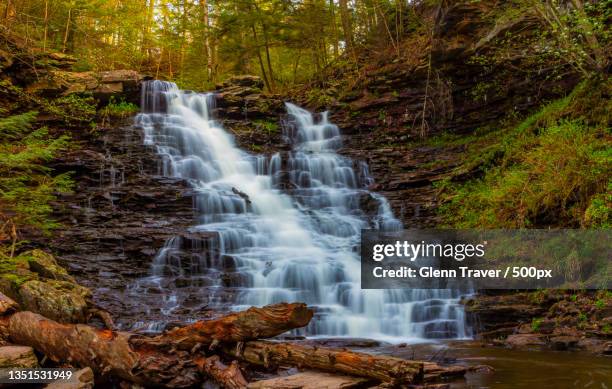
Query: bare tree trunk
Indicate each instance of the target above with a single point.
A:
(347, 27)
(254, 323)
(67, 31)
(105, 352)
(46, 25)
(332, 10)
(388, 369)
(207, 45)
(261, 64)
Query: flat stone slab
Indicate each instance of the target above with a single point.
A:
(310, 380)
(17, 356)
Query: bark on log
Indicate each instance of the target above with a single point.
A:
(254, 323)
(160, 360)
(105, 352)
(395, 371)
(229, 377)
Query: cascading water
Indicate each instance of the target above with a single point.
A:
(284, 228)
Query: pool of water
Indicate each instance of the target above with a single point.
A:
(514, 369)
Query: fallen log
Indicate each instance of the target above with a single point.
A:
(161, 360)
(392, 370)
(254, 323)
(229, 377)
(105, 352)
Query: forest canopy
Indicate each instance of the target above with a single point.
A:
(198, 42)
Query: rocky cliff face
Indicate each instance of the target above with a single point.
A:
(121, 212)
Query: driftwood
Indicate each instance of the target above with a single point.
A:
(254, 323)
(229, 377)
(178, 358)
(105, 352)
(161, 360)
(395, 371)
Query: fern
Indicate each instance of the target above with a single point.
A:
(27, 186)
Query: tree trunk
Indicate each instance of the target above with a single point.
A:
(261, 64)
(254, 323)
(347, 26)
(332, 10)
(67, 31)
(271, 354)
(164, 360)
(46, 25)
(229, 377)
(105, 352)
(207, 40)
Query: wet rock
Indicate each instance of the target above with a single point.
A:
(17, 356)
(562, 343)
(82, 379)
(525, 340)
(596, 346)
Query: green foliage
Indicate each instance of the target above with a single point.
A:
(535, 324)
(318, 97)
(26, 184)
(73, 109)
(269, 126)
(119, 108)
(553, 168)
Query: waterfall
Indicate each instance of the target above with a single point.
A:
(279, 228)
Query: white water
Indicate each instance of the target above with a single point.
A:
(293, 237)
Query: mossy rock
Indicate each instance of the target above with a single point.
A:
(58, 300)
(46, 266)
(38, 283)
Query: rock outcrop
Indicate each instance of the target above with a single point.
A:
(51, 75)
(116, 84)
(37, 283)
(556, 320)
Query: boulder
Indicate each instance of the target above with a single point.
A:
(121, 84)
(310, 380)
(562, 343)
(82, 379)
(525, 340)
(47, 267)
(17, 356)
(62, 301)
(242, 80)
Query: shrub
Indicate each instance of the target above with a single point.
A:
(119, 109)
